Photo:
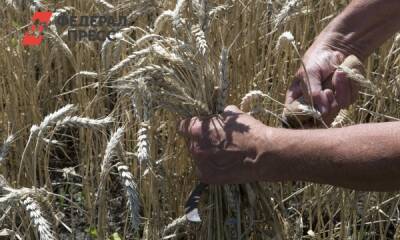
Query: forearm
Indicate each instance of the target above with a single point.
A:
(362, 27)
(364, 157)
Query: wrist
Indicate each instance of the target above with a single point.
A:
(362, 27)
(271, 162)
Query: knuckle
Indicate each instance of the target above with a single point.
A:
(196, 131)
(338, 57)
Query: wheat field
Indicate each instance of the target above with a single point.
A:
(88, 129)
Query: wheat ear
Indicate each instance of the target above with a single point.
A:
(25, 196)
(110, 153)
(251, 100)
(83, 122)
(131, 192)
(41, 224)
(53, 118)
(200, 37)
(105, 4)
(6, 147)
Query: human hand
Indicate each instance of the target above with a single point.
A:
(330, 88)
(225, 147)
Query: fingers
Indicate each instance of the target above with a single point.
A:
(200, 128)
(346, 90)
(322, 100)
(343, 89)
(319, 97)
(188, 128)
(334, 108)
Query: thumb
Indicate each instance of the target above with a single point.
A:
(344, 89)
(333, 106)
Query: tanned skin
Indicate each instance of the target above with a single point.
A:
(236, 148)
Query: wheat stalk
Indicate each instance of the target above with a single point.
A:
(223, 80)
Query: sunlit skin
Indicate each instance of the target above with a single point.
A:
(236, 148)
